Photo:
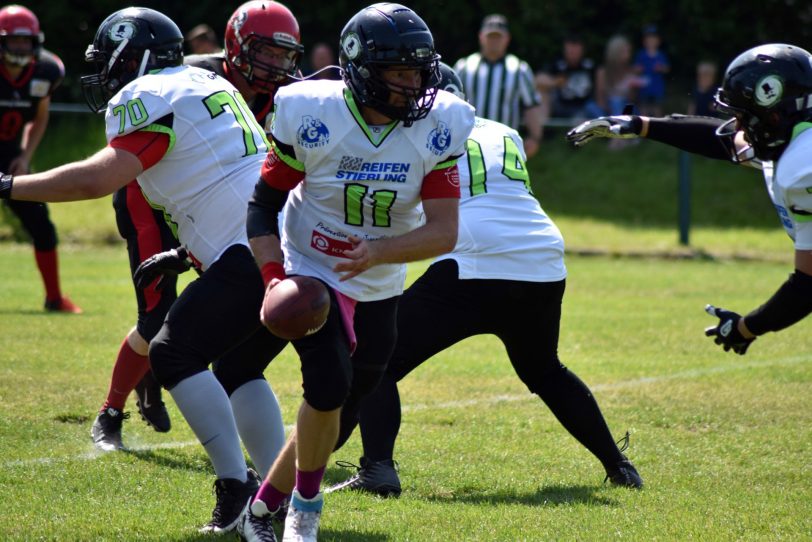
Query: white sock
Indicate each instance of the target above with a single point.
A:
(204, 403)
(259, 421)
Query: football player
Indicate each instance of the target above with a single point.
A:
(354, 160)
(263, 52)
(505, 277)
(195, 148)
(29, 76)
(767, 92)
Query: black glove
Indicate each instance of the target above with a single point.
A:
(727, 332)
(620, 126)
(6, 181)
(164, 265)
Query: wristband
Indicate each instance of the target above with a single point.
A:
(6, 181)
(272, 270)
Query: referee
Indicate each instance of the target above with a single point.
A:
(500, 85)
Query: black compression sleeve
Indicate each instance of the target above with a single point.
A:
(263, 210)
(693, 134)
(790, 304)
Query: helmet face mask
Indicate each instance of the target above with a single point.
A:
(386, 37)
(128, 44)
(263, 44)
(768, 89)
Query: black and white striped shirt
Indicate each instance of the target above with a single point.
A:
(499, 90)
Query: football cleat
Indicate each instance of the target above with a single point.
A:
(623, 473)
(106, 429)
(63, 304)
(256, 522)
(232, 496)
(302, 521)
(150, 404)
(378, 477)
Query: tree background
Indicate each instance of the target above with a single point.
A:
(692, 30)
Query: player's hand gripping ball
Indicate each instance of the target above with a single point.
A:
(296, 307)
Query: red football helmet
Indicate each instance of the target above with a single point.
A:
(252, 30)
(19, 21)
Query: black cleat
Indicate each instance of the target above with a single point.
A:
(232, 496)
(378, 477)
(623, 473)
(106, 429)
(150, 404)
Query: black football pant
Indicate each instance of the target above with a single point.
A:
(217, 318)
(439, 310)
(36, 221)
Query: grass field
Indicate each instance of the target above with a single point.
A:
(723, 442)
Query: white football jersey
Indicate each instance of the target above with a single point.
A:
(789, 183)
(359, 180)
(205, 179)
(503, 232)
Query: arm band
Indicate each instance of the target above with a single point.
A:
(273, 270)
(263, 210)
(693, 134)
(790, 304)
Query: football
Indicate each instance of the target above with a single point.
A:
(296, 307)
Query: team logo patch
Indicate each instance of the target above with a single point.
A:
(312, 133)
(769, 91)
(351, 163)
(439, 139)
(122, 31)
(40, 88)
(351, 45)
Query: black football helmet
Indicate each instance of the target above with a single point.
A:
(450, 81)
(768, 91)
(128, 44)
(382, 36)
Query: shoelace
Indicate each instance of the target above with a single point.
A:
(262, 525)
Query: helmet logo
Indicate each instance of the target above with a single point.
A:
(351, 45)
(122, 31)
(769, 91)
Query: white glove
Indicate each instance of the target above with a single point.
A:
(618, 127)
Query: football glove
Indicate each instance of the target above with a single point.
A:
(6, 181)
(726, 333)
(620, 126)
(164, 265)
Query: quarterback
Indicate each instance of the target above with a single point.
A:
(767, 91)
(352, 162)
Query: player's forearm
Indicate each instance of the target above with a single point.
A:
(429, 240)
(32, 136)
(693, 134)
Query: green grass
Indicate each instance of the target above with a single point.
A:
(722, 441)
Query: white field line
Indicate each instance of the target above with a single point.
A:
(635, 382)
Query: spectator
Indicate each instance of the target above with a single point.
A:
(652, 64)
(569, 84)
(616, 81)
(201, 40)
(703, 103)
(500, 84)
(24, 111)
(322, 62)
